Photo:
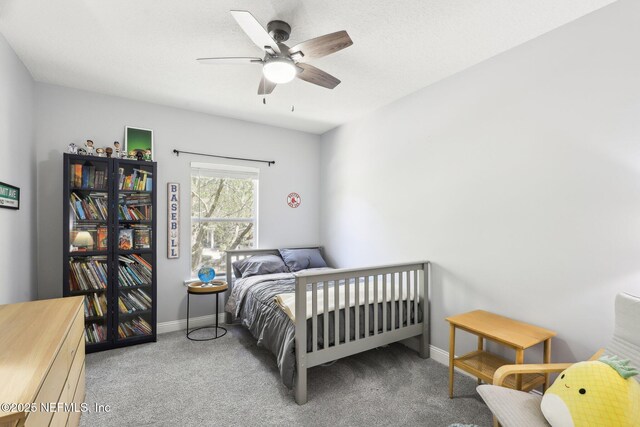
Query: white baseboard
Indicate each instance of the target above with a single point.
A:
(194, 322)
(442, 356)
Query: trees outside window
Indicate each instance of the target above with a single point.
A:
(223, 216)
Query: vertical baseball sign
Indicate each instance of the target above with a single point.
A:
(173, 220)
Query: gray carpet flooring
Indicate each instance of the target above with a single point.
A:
(231, 381)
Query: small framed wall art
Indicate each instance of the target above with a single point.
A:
(138, 140)
(9, 196)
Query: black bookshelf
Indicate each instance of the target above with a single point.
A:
(109, 238)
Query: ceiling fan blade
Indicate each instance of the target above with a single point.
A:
(229, 60)
(266, 86)
(254, 30)
(316, 76)
(323, 45)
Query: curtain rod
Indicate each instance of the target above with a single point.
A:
(268, 162)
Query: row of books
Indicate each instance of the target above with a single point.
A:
(95, 333)
(88, 273)
(133, 213)
(136, 237)
(134, 300)
(133, 270)
(87, 176)
(93, 206)
(95, 305)
(138, 180)
(134, 327)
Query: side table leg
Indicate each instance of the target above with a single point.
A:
(452, 352)
(217, 295)
(188, 295)
(480, 348)
(519, 361)
(547, 359)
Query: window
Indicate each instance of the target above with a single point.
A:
(224, 213)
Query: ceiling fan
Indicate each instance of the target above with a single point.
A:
(281, 63)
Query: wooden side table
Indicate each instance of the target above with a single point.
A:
(197, 289)
(505, 331)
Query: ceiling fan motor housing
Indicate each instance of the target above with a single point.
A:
(279, 31)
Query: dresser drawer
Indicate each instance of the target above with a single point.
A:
(78, 398)
(55, 387)
(75, 333)
(76, 368)
(50, 391)
(59, 419)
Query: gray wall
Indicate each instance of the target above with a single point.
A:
(67, 115)
(519, 178)
(17, 167)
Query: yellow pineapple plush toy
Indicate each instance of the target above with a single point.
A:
(597, 393)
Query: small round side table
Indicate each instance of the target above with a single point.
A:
(197, 289)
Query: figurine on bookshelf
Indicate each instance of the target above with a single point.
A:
(147, 155)
(89, 145)
(73, 148)
(109, 151)
(100, 152)
(116, 149)
(81, 151)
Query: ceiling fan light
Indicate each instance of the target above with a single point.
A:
(279, 71)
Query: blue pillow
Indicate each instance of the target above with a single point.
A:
(301, 259)
(259, 264)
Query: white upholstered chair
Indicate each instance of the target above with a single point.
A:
(512, 408)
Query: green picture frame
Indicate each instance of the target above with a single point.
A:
(138, 139)
(9, 196)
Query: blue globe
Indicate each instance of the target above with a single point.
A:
(206, 274)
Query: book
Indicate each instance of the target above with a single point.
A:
(142, 238)
(102, 238)
(91, 182)
(85, 177)
(125, 239)
(77, 175)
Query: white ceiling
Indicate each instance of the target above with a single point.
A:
(146, 49)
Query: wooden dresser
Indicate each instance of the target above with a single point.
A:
(42, 363)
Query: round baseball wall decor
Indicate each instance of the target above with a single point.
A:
(294, 200)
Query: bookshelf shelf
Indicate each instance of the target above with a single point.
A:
(77, 254)
(74, 292)
(135, 251)
(94, 265)
(90, 190)
(146, 285)
(135, 313)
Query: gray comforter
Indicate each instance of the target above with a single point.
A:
(252, 301)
